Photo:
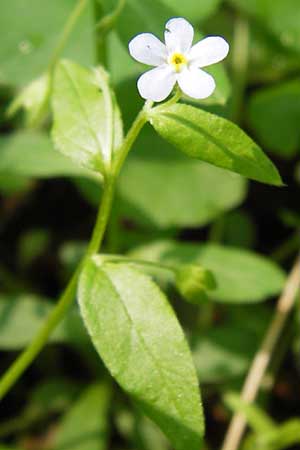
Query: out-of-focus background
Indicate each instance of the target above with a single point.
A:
(245, 232)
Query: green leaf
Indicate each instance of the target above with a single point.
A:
(31, 154)
(236, 228)
(224, 352)
(270, 61)
(139, 430)
(52, 395)
(141, 342)
(242, 276)
(32, 245)
(285, 435)
(85, 425)
(281, 17)
(215, 140)
(274, 114)
(22, 316)
(255, 416)
(297, 173)
(34, 98)
(195, 11)
(195, 194)
(30, 34)
(282, 437)
(151, 15)
(5, 447)
(12, 184)
(87, 123)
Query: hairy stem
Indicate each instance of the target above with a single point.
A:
(263, 357)
(132, 134)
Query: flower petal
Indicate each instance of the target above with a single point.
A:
(179, 35)
(157, 84)
(148, 49)
(196, 83)
(208, 51)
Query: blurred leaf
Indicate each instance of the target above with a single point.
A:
(71, 253)
(281, 17)
(30, 32)
(224, 352)
(34, 98)
(297, 173)
(286, 435)
(194, 11)
(4, 447)
(282, 437)
(140, 340)
(12, 184)
(173, 189)
(196, 193)
(274, 114)
(210, 138)
(139, 430)
(22, 316)
(289, 218)
(53, 394)
(255, 416)
(242, 276)
(148, 436)
(32, 244)
(270, 61)
(20, 319)
(151, 15)
(85, 128)
(238, 229)
(31, 154)
(85, 425)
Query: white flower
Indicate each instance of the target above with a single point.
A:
(177, 61)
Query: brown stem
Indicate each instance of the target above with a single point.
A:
(262, 359)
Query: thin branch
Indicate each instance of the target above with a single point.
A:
(262, 359)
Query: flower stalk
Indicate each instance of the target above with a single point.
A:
(29, 354)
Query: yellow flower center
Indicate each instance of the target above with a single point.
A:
(178, 60)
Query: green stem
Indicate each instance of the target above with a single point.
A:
(29, 354)
(107, 22)
(104, 24)
(131, 136)
(71, 21)
(68, 28)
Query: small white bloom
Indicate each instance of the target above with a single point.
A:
(177, 61)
